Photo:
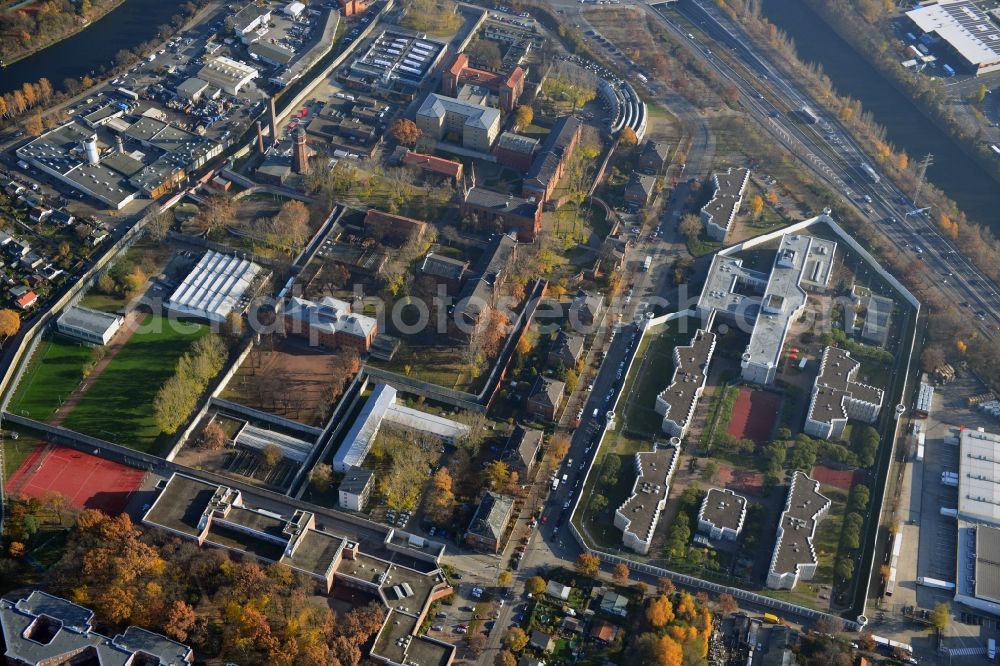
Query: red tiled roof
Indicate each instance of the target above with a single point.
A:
(514, 77)
(26, 300)
(461, 62)
(435, 164)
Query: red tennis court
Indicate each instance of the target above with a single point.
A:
(86, 481)
(754, 415)
(839, 478)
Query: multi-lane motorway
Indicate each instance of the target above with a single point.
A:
(828, 150)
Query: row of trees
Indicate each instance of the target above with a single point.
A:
(18, 103)
(178, 397)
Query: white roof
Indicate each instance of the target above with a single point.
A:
(979, 477)
(214, 287)
(294, 8)
(292, 448)
(359, 438)
(331, 315)
(964, 26)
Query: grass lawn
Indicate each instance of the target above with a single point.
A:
(443, 366)
(119, 405)
(15, 451)
(98, 301)
(654, 373)
(54, 371)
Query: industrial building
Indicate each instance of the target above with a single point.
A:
(769, 302)
(837, 396)
(964, 30)
(794, 557)
(472, 125)
(979, 477)
(218, 285)
(718, 214)
(228, 75)
(87, 325)
(722, 514)
(42, 629)
(677, 402)
(977, 576)
(396, 62)
(638, 515)
(329, 323)
(380, 408)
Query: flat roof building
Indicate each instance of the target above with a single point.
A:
(794, 557)
(191, 89)
(42, 629)
(474, 125)
(769, 302)
(218, 285)
(977, 575)
(837, 397)
(638, 515)
(89, 325)
(720, 211)
(722, 514)
(228, 75)
(979, 477)
(969, 33)
(677, 402)
(355, 488)
(380, 408)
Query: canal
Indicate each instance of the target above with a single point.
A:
(906, 127)
(127, 26)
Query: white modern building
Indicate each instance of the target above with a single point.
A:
(638, 515)
(226, 74)
(87, 325)
(676, 404)
(381, 408)
(766, 303)
(837, 396)
(722, 514)
(967, 32)
(718, 214)
(794, 557)
(218, 285)
(355, 488)
(979, 477)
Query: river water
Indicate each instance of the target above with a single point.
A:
(127, 26)
(907, 128)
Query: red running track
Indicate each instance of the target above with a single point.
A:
(87, 481)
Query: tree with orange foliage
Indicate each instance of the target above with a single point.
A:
(685, 608)
(728, 604)
(660, 612)
(16, 549)
(588, 565)
(756, 205)
(558, 447)
(620, 573)
(180, 619)
(10, 323)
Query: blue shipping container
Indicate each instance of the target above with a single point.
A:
(911, 37)
(926, 39)
(949, 70)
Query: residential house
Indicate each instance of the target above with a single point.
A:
(587, 310)
(489, 522)
(23, 297)
(557, 590)
(604, 632)
(546, 397)
(614, 603)
(640, 188)
(566, 350)
(522, 450)
(542, 641)
(653, 157)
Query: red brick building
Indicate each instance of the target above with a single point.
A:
(330, 324)
(379, 225)
(507, 87)
(506, 211)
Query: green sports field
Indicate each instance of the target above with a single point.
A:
(119, 405)
(54, 371)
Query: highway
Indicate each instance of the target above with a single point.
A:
(828, 150)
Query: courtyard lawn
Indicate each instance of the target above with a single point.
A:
(52, 374)
(119, 405)
(16, 451)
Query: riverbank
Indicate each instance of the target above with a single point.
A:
(72, 33)
(963, 187)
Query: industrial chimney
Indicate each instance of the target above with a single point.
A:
(300, 158)
(260, 137)
(274, 123)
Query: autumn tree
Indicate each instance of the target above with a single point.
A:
(940, 616)
(756, 206)
(405, 131)
(627, 137)
(497, 474)
(33, 125)
(180, 620)
(291, 224)
(516, 639)
(728, 604)
(524, 115)
(505, 658)
(690, 226)
(217, 212)
(505, 579)
(588, 565)
(321, 477)
(666, 586)
(441, 501)
(270, 456)
(213, 437)
(620, 572)
(558, 447)
(476, 643)
(660, 612)
(535, 585)
(10, 322)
